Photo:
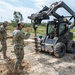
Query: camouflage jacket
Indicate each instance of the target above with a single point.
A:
(3, 33)
(18, 38)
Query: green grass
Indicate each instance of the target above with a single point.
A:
(73, 37)
(72, 30)
(11, 28)
(41, 30)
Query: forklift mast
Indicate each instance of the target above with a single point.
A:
(57, 5)
(51, 11)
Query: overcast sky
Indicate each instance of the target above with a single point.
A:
(27, 7)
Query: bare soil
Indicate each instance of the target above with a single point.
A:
(37, 64)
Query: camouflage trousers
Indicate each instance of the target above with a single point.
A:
(19, 52)
(4, 47)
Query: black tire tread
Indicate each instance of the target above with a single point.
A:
(57, 49)
(71, 49)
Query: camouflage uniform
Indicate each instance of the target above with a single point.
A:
(3, 34)
(18, 38)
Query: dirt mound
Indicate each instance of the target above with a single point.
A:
(37, 64)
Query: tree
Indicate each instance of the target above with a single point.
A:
(17, 16)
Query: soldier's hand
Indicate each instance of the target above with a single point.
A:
(27, 29)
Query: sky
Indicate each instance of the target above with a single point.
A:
(27, 7)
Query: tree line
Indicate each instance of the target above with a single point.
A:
(18, 17)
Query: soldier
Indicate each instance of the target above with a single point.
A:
(18, 39)
(3, 37)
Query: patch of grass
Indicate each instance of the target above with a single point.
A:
(72, 30)
(73, 37)
(11, 28)
(41, 30)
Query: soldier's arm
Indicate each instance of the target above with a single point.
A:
(9, 37)
(27, 35)
(1, 37)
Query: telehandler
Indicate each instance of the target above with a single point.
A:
(58, 39)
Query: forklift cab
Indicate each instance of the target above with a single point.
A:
(56, 28)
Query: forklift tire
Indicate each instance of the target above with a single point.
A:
(59, 50)
(71, 46)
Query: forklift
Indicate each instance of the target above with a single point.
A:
(58, 39)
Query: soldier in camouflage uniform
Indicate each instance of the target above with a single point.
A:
(3, 37)
(18, 39)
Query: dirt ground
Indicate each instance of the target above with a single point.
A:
(37, 64)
